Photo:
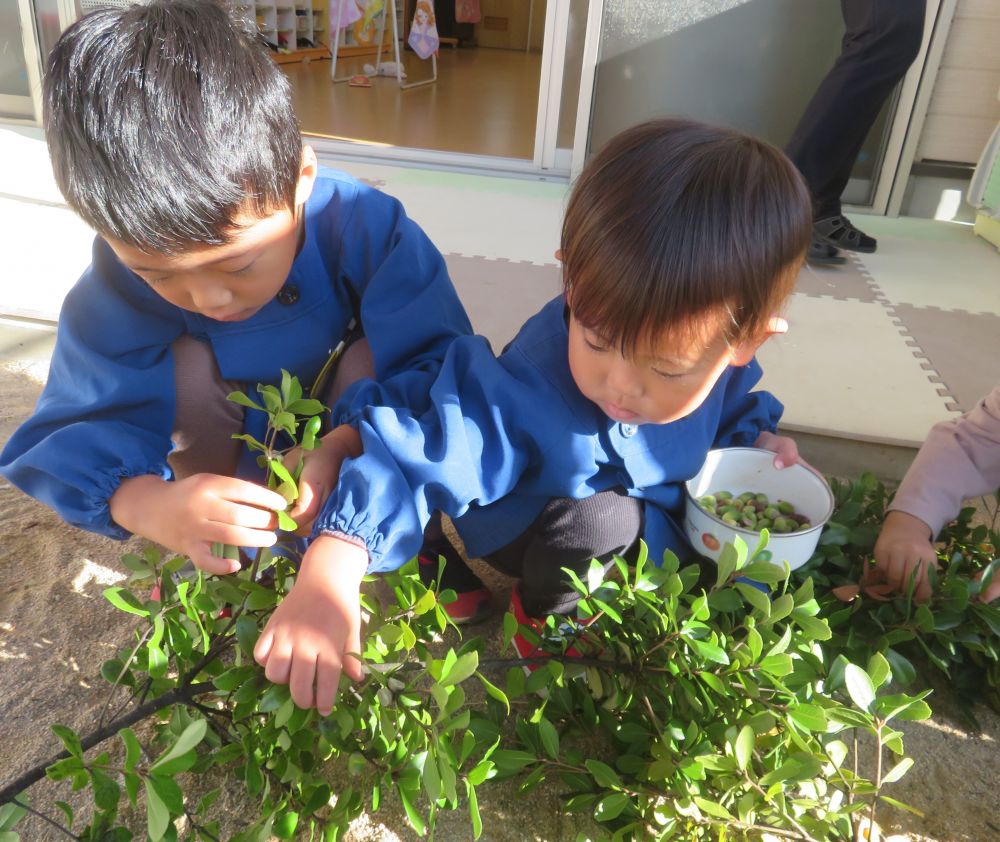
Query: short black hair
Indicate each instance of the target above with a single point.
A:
(166, 121)
(674, 222)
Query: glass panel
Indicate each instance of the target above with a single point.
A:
(752, 64)
(571, 72)
(13, 69)
(47, 26)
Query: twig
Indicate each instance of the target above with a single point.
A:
(183, 693)
(45, 818)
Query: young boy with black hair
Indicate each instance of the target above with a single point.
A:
(681, 242)
(224, 254)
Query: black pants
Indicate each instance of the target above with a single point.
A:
(568, 533)
(882, 40)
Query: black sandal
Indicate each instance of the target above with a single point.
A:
(840, 233)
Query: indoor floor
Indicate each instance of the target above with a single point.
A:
(483, 103)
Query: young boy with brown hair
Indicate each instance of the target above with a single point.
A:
(224, 255)
(680, 244)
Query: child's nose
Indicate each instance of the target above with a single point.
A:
(209, 296)
(622, 379)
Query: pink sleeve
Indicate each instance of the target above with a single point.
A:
(959, 460)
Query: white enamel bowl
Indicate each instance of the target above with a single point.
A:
(740, 469)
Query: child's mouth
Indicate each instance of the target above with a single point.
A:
(618, 413)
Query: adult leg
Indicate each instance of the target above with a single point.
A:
(882, 39)
(568, 533)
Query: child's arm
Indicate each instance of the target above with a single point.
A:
(188, 515)
(310, 637)
(491, 423)
(959, 459)
(409, 309)
(107, 409)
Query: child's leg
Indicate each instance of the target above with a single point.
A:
(568, 533)
(205, 421)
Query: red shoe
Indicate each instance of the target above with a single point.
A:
(469, 606)
(525, 648)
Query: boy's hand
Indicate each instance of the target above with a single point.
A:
(320, 472)
(785, 450)
(189, 515)
(904, 545)
(308, 640)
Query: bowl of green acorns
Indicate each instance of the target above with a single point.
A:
(739, 492)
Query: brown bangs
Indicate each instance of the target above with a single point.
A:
(675, 225)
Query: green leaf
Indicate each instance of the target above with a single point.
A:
(474, 817)
(766, 572)
(897, 771)
(901, 805)
(603, 774)
(106, 791)
(809, 717)
(713, 808)
(611, 806)
(743, 747)
(464, 667)
(133, 751)
(413, 815)
(549, 737)
(241, 399)
(285, 523)
(69, 739)
(509, 629)
(285, 824)
(878, 669)
(710, 652)
(725, 566)
(157, 814)
(189, 739)
(481, 772)
(777, 665)
(306, 406)
(495, 692)
(11, 814)
(123, 600)
(859, 687)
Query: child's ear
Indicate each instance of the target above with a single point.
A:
(308, 170)
(744, 352)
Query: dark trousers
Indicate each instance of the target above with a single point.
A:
(882, 40)
(568, 533)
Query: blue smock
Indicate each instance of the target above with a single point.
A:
(107, 410)
(503, 436)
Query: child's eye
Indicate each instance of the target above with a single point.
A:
(594, 346)
(242, 271)
(667, 375)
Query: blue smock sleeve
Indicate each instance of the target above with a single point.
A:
(409, 309)
(746, 414)
(482, 434)
(107, 409)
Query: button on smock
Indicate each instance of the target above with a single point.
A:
(288, 294)
(629, 430)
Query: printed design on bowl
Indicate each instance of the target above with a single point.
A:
(710, 541)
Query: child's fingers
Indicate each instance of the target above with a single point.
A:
(241, 491)
(353, 667)
(327, 678)
(249, 517)
(226, 533)
(263, 647)
(279, 661)
(202, 558)
(302, 677)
